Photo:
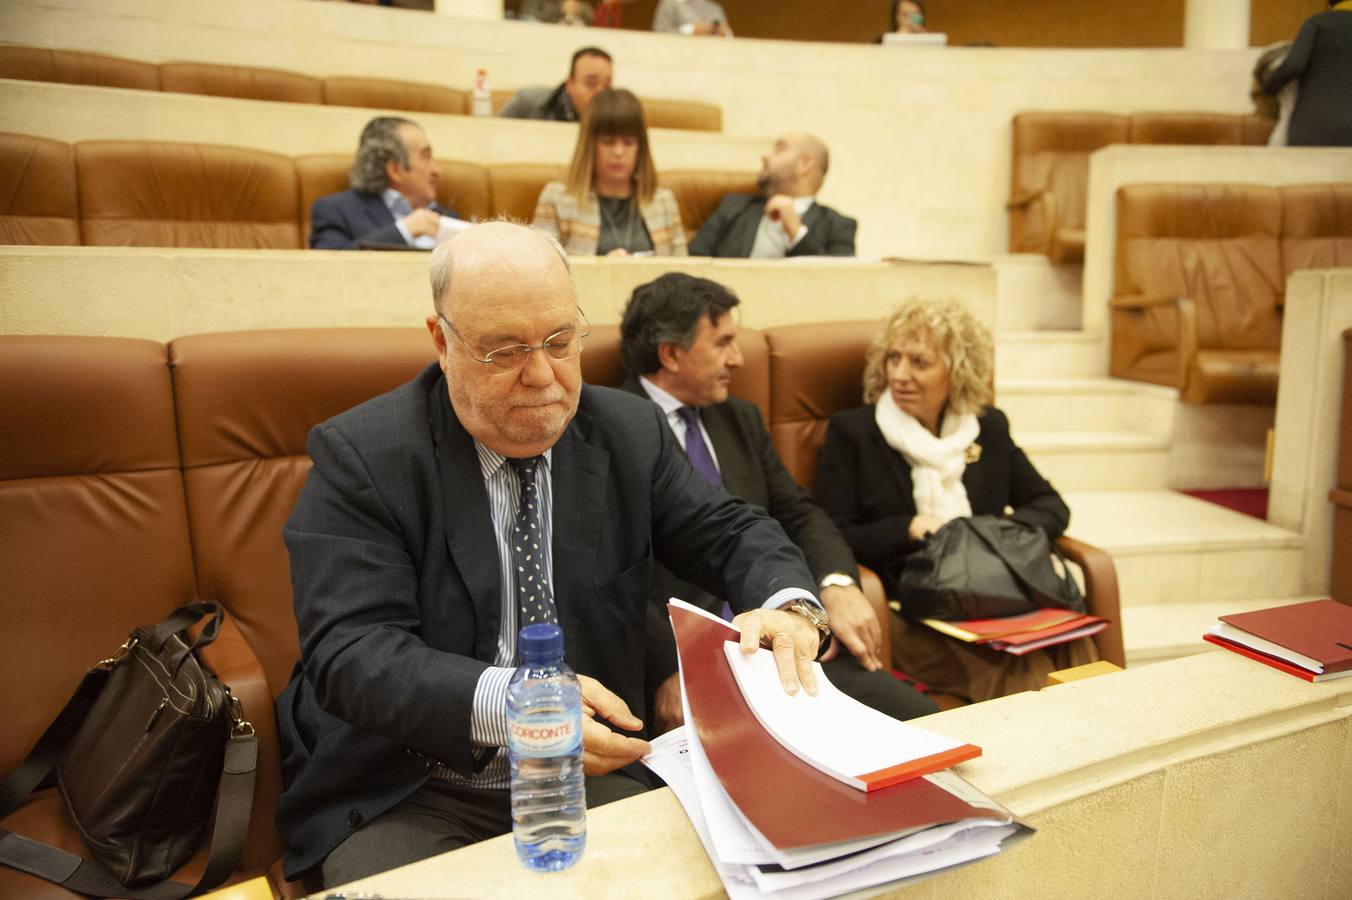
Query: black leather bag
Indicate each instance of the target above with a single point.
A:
(150, 751)
(986, 567)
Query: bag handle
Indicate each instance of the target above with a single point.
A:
(185, 617)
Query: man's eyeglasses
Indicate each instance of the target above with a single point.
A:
(564, 344)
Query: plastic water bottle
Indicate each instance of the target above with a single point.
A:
(482, 102)
(544, 724)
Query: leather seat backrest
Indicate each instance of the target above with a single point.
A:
(158, 194)
(1218, 244)
(385, 93)
(244, 82)
(1051, 153)
(816, 370)
(37, 191)
(601, 364)
(93, 526)
(514, 188)
(1186, 128)
(691, 115)
(246, 402)
(699, 191)
(1255, 129)
(76, 67)
(1316, 226)
(463, 187)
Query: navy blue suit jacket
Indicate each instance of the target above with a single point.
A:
(394, 570)
(341, 221)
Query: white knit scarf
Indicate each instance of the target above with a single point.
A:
(937, 463)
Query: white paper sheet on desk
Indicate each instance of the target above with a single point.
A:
(670, 759)
(832, 732)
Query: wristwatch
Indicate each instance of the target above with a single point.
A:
(817, 617)
(837, 579)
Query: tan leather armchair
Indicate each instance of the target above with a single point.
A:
(37, 191)
(514, 188)
(1198, 290)
(689, 115)
(699, 191)
(1050, 177)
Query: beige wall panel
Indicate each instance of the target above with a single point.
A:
(166, 293)
(1273, 801)
(1340, 835)
(920, 139)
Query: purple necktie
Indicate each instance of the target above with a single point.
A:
(695, 449)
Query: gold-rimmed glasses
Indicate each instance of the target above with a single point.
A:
(563, 344)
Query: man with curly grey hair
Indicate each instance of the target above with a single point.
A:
(392, 198)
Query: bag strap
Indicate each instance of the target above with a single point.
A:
(229, 822)
(230, 826)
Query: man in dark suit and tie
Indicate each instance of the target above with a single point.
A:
(392, 199)
(784, 219)
(407, 584)
(678, 343)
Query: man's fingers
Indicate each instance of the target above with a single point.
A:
(786, 661)
(856, 643)
(606, 704)
(605, 751)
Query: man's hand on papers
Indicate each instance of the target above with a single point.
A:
(667, 712)
(422, 222)
(792, 638)
(603, 750)
(854, 624)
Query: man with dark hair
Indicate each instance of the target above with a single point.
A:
(411, 571)
(784, 219)
(392, 198)
(678, 345)
(589, 72)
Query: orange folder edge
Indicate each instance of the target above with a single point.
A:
(915, 768)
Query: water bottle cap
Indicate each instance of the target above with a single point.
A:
(540, 643)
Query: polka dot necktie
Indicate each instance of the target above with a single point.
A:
(535, 598)
(695, 449)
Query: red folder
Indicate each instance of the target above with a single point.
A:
(1319, 629)
(788, 801)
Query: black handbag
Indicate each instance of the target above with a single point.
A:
(150, 751)
(986, 567)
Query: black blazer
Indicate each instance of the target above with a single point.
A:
(1321, 58)
(394, 571)
(752, 470)
(340, 221)
(866, 487)
(731, 230)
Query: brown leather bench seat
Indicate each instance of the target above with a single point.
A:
(163, 194)
(261, 83)
(135, 476)
(1049, 172)
(1200, 274)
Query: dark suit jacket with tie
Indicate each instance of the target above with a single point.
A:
(394, 569)
(866, 487)
(751, 469)
(731, 230)
(340, 221)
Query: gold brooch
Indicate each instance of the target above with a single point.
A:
(973, 453)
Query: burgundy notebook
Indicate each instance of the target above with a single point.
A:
(788, 801)
(1319, 629)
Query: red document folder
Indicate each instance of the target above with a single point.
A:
(788, 801)
(1319, 629)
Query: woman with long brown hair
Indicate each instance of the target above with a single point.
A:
(611, 204)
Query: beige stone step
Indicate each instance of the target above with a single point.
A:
(1086, 404)
(1161, 631)
(1170, 548)
(1049, 354)
(1098, 460)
